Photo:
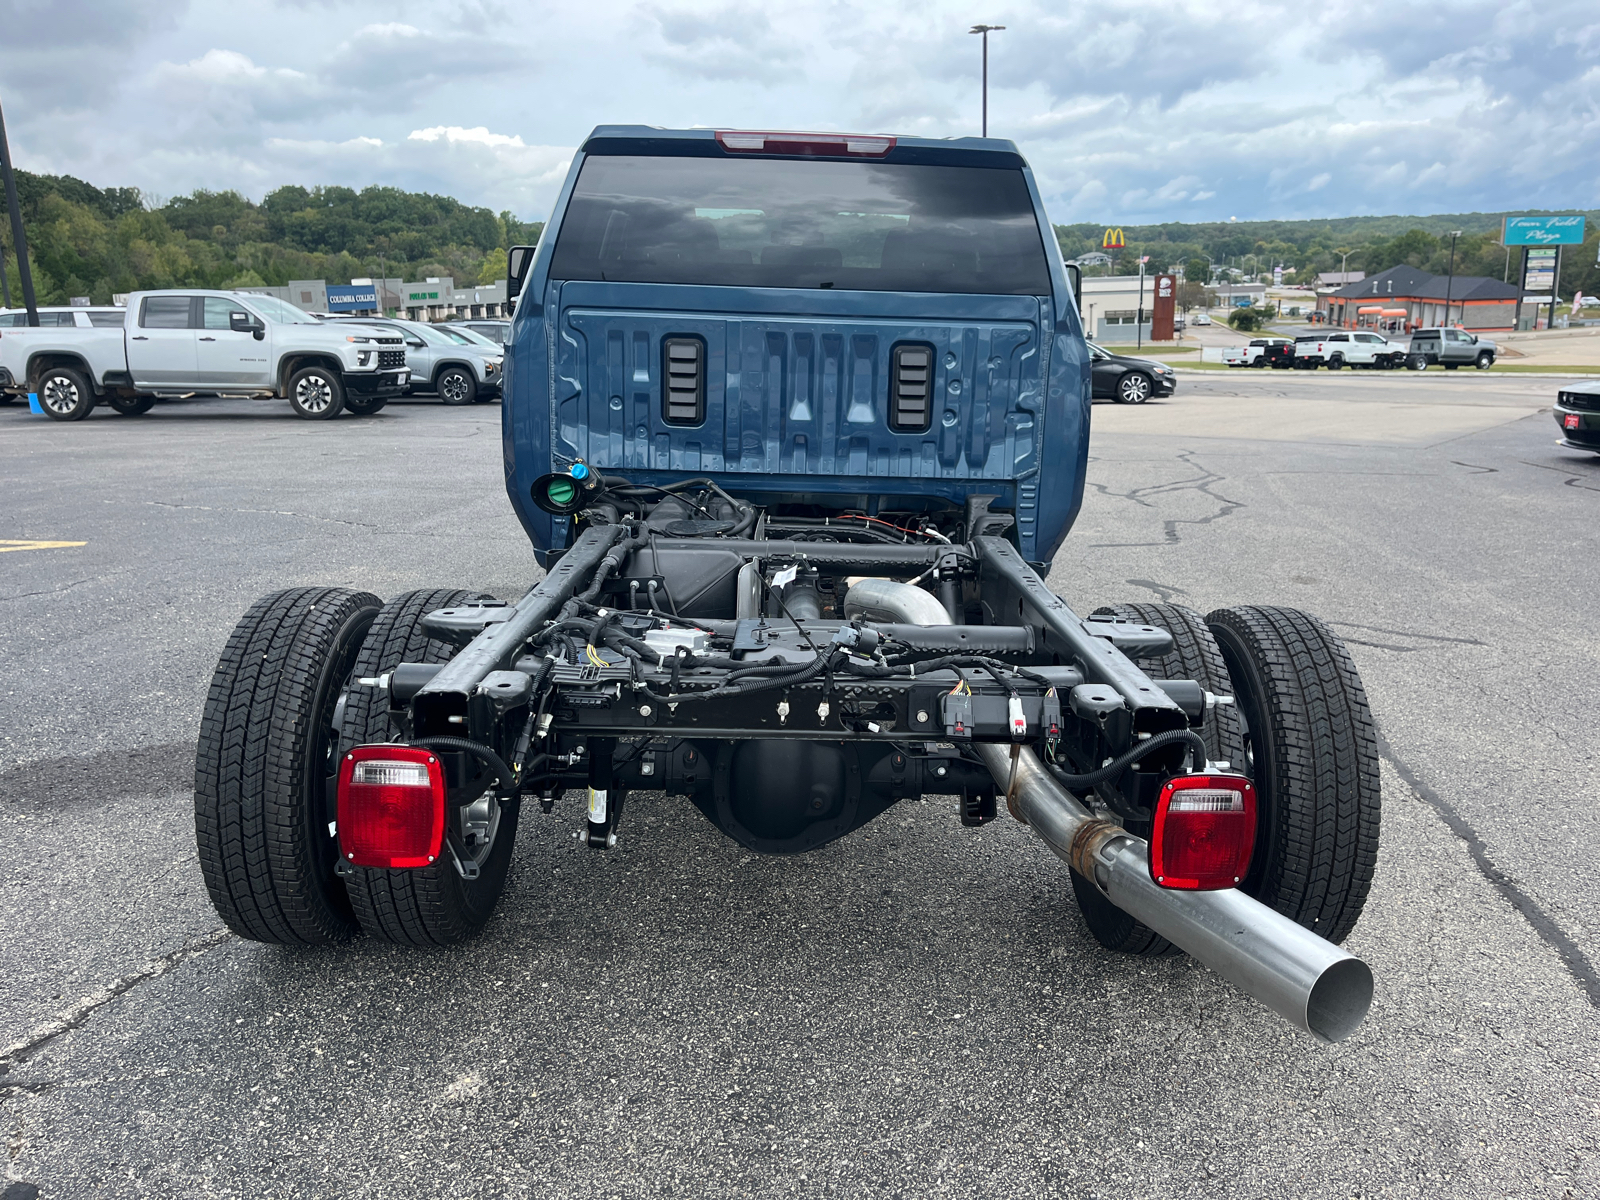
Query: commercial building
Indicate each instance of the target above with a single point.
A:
(434, 299)
(1408, 298)
(1111, 305)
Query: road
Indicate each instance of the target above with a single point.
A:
(916, 1011)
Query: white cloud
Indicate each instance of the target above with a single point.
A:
(454, 133)
(1128, 111)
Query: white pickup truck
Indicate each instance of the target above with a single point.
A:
(1348, 348)
(181, 343)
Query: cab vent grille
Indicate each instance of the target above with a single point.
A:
(683, 375)
(911, 389)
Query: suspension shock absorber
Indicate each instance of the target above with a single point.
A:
(605, 798)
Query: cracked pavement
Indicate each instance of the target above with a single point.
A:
(916, 1011)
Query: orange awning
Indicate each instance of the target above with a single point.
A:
(1370, 308)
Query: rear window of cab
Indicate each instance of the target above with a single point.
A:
(802, 223)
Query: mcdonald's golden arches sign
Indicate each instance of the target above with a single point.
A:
(1113, 240)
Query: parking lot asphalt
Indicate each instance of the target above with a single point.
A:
(915, 1011)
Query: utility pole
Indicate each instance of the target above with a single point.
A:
(985, 30)
(1138, 316)
(1555, 293)
(19, 236)
(1450, 279)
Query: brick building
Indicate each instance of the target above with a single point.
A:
(1475, 303)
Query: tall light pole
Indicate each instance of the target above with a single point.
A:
(19, 236)
(985, 30)
(1450, 279)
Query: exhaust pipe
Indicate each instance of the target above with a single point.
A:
(1307, 980)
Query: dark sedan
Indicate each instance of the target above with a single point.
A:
(1578, 415)
(1129, 380)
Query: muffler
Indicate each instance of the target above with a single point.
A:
(1307, 980)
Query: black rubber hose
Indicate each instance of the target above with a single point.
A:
(507, 777)
(1116, 767)
(744, 687)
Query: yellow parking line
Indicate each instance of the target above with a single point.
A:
(12, 545)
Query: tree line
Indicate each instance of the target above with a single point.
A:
(90, 241)
(95, 242)
(1204, 251)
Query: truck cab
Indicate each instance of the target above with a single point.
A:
(827, 322)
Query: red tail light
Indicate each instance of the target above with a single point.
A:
(826, 145)
(1205, 829)
(391, 806)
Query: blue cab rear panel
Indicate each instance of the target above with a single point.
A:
(797, 394)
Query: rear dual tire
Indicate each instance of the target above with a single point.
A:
(266, 749)
(279, 705)
(1194, 655)
(421, 906)
(1302, 730)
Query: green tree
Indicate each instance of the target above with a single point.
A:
(1197, 270)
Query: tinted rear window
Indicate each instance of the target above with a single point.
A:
(797, 223)
(47, 320)
(108, 319)
(165, 312)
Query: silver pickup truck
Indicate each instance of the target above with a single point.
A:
(1450, 348)
(181, 343)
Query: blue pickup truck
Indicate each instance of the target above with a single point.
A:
(797, 423)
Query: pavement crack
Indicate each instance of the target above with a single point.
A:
(1475, 468)
(1572, 957)
(72, 1018)
(268, 512)
(53, 591)
(1203, 483)
(1571, 480)
(1423, 637)
(1165, 592)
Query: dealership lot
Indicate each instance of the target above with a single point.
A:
(914, 1011)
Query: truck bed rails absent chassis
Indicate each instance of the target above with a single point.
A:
(792, 533)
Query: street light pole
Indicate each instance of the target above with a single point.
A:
(1450, 279)
(19, 236)
(985, 30)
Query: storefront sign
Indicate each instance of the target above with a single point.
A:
(356, 297)
(1161, 318)
(1540, 276)
(1543, 231)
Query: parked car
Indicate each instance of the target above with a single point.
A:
(1348, 348)
(454, 363)
(1128, 380)
(1450, 348)
(498, 332)
(64, 318)
(1201, 319)
(179, 343)
(1577, 410)
(1261, 352)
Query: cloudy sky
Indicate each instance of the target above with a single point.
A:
(1129, 113)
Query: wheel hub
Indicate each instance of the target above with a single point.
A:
(59, 395)
(313, 394)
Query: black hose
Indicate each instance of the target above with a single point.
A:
(507, 777)
(746, 686)
(1117, 766)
